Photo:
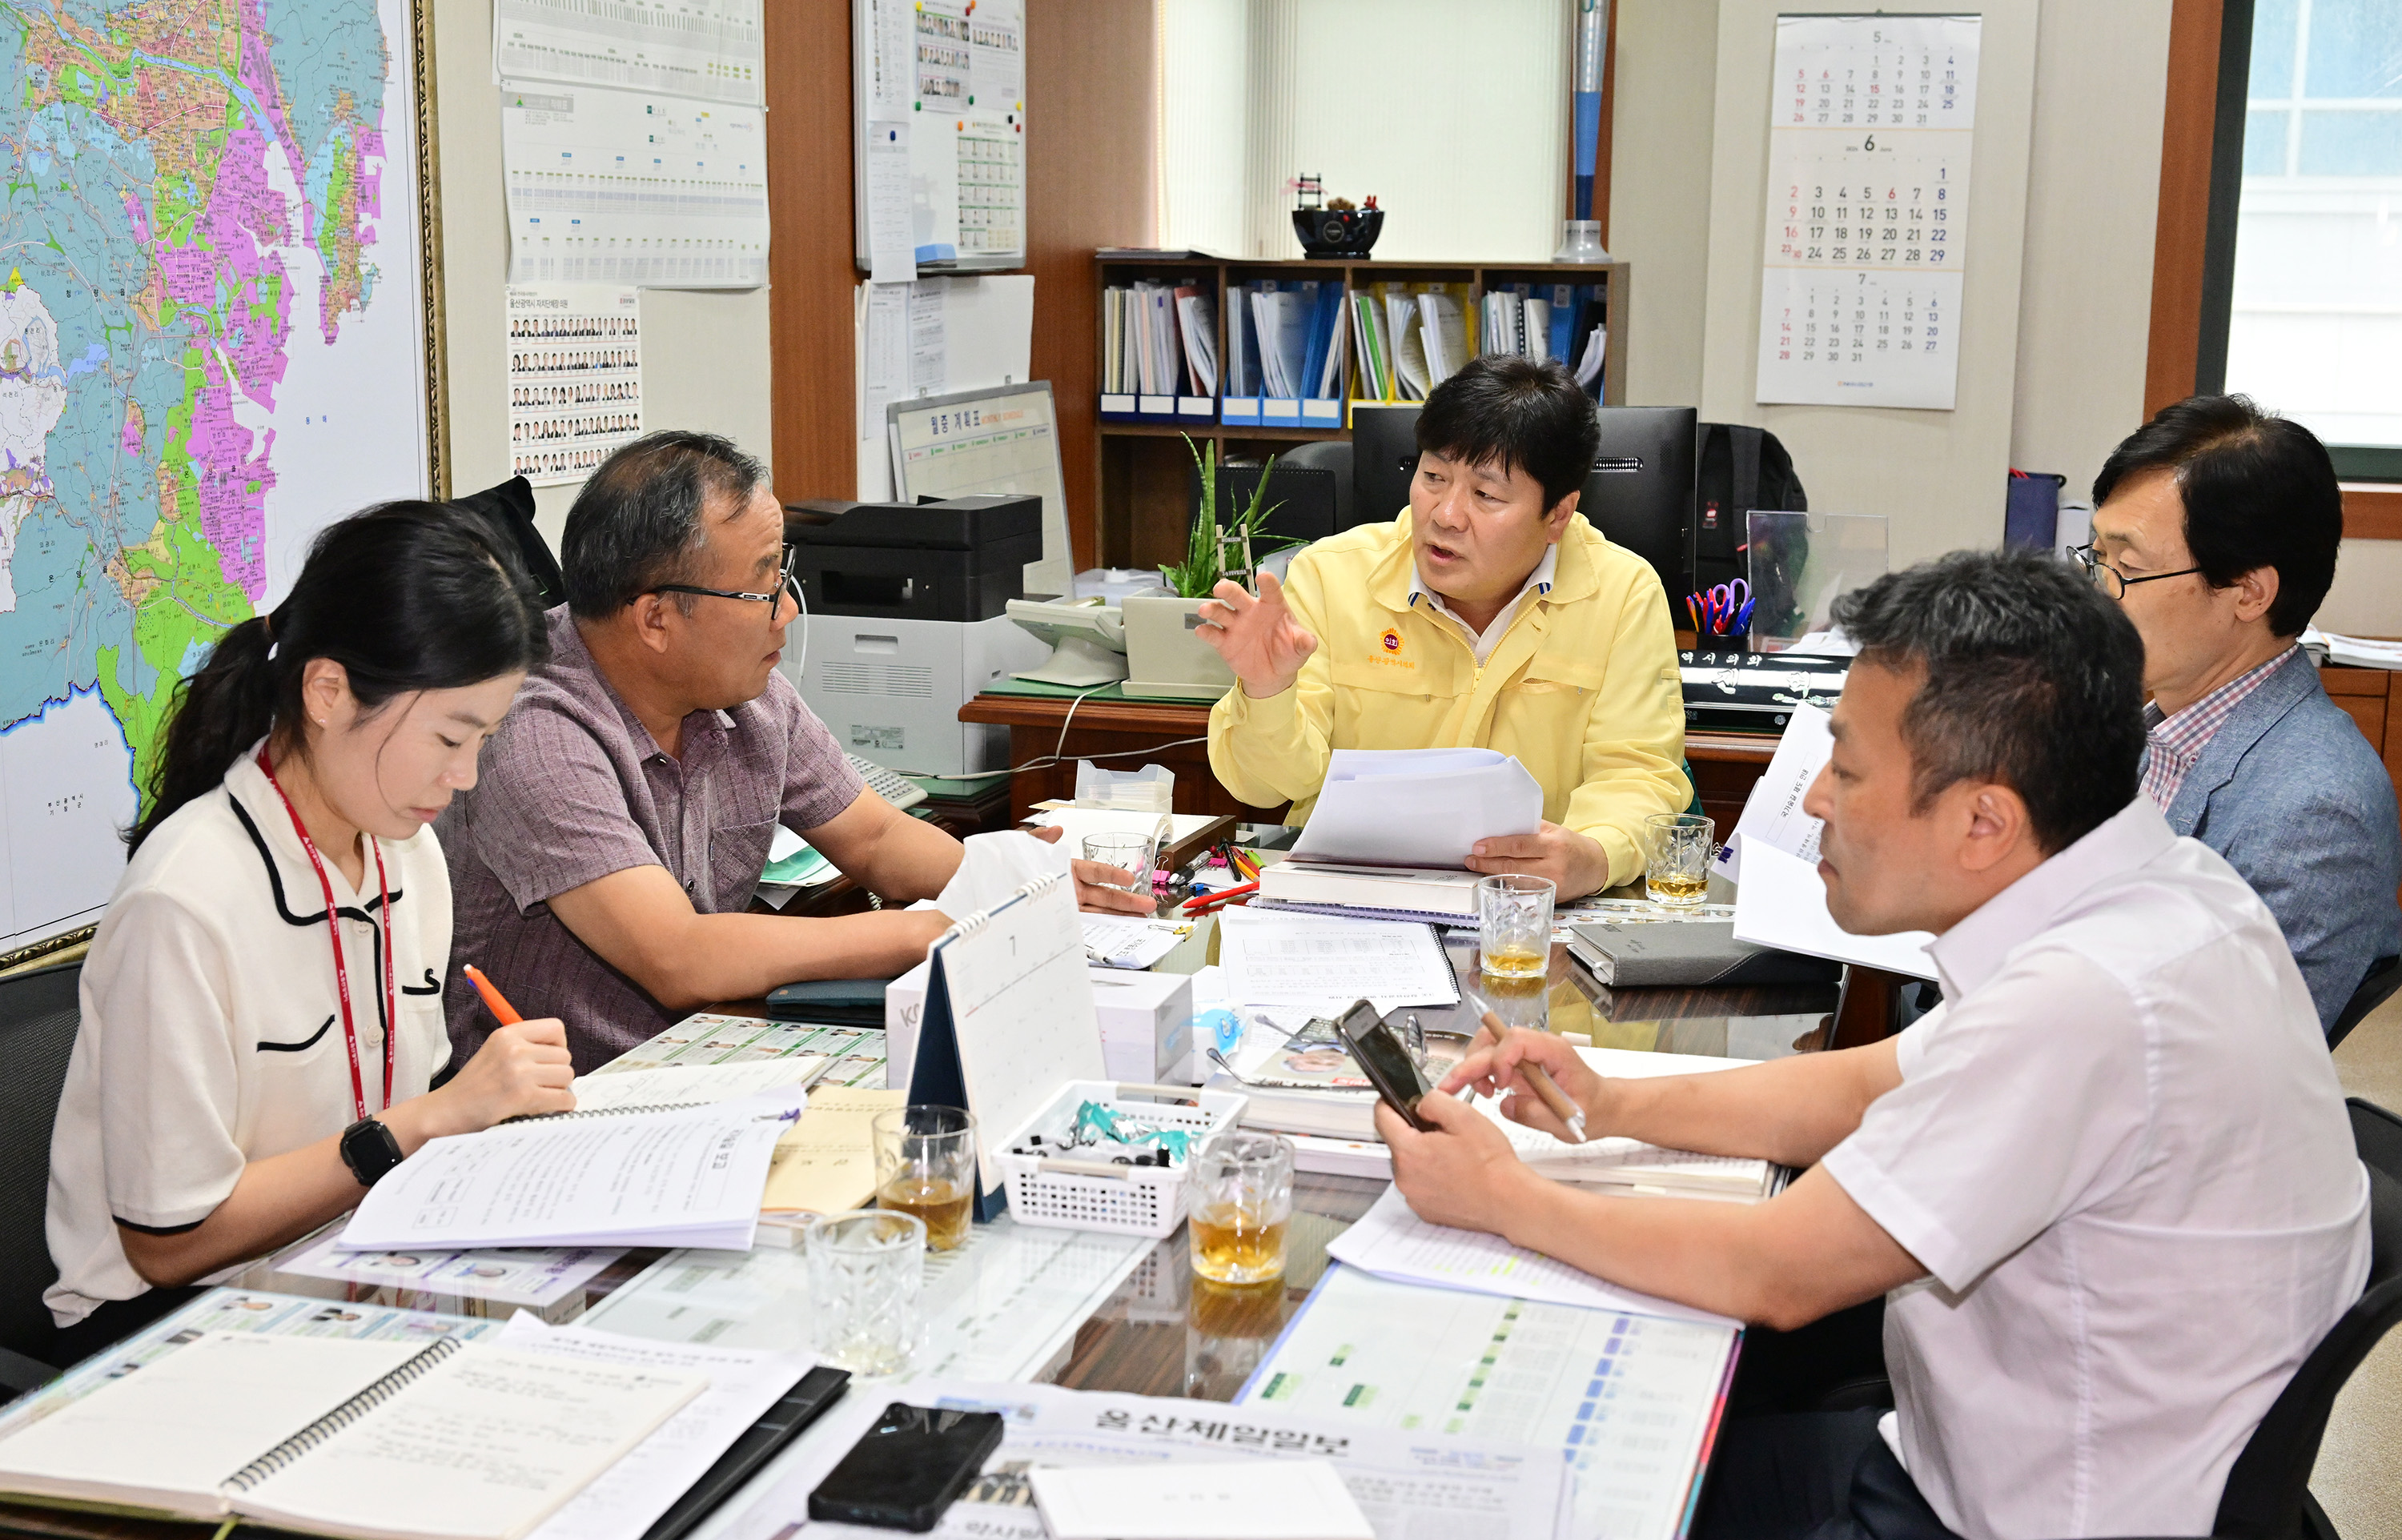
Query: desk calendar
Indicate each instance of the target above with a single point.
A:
(1870, 133)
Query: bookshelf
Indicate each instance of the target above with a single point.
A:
(1142, 467)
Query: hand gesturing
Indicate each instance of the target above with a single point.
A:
(1258, 638)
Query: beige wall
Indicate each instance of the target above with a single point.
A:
(705, 361)
(1658, 190)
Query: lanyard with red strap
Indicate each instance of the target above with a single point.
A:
(334, 934)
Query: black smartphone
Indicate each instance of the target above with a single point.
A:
(1379, 1053)
(907, 1469)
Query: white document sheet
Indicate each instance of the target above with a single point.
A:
(1782, 902)
(712, 49)
(694, 1085)
(1773, 815)
(996, 865)
(1417, 807)
(672, 193)
(508, 1275)
(487, 1442)
(659, 1179)
(628, 1498)
(1417, 1483)
(1323, 962)
(1391, 1242)
(1631, 1401)
(1114, 941)
(892, 253)
(1249, 1500)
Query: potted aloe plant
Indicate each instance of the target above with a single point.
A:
(1164, 655)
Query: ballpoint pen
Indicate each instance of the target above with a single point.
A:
(1562, 1107)
(499, 1008)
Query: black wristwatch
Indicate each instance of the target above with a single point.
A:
(370, 1150)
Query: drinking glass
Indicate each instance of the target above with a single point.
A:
(865, 1271)
(1132, 852)
(1682, 845)
(926, 1165)
(1239, 1191)
(1513, 925)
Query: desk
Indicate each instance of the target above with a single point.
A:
(1725, 764)
(1159, 1332)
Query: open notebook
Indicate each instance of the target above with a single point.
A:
(366, 1440)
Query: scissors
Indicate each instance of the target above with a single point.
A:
(1729, 606)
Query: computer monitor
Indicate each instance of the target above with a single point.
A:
(1305, 499)
(1384, 459)
(1640, 492)
(995, 441)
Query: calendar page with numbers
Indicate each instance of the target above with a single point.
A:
(1870, 133)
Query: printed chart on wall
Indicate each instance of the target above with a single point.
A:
(712, 49)
(945, 80)
(1870, 129)
(575, 378)
(212, 341)
(624, 187)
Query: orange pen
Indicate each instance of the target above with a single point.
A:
(501, 1007)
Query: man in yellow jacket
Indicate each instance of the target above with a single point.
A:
(1488, 613)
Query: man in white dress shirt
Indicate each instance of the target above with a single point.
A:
(2108, 1188)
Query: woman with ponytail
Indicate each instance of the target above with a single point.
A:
(262, 1007)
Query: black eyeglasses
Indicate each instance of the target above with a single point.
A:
(2113, 582)
(786, 584)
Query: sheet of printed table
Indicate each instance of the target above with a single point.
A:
(1867, 210)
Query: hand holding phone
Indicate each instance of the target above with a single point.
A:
(1379, 1053)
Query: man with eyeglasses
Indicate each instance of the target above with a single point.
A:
(2215, 527)
(602, 865)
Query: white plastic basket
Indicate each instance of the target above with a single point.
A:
(1070, 1193)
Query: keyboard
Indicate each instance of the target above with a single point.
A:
(892, 786)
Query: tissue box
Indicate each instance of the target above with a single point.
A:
(1146, 1024)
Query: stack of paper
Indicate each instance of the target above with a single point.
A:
(688, 1178)
(1392, 1243)
(1444, 324)
(1322, 963)
(1417, 807)
(1196, 320)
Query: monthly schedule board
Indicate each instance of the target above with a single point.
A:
(949, 77)
(1872, 125)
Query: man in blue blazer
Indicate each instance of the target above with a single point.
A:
(2215, 527)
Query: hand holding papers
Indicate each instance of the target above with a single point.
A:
(1417, 807)
(1774, 859)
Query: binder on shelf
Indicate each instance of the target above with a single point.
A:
(1294, 332)
(1009, 1018)
(1159, 362)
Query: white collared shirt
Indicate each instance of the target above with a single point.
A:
(1538, 582)
(211, 1033)
(2120, 1151)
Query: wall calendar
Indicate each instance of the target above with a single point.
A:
(1870, 133)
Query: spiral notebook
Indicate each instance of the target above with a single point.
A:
(364, 1440)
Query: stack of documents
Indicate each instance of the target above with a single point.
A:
(681, 1178)
(1392, 830)
(1322, 963)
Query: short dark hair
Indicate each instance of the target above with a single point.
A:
(1516, 414)
(2259, 491)
(2034, 681)
(637, 523)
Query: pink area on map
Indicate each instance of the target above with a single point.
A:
(133, 218)
(232, 514)
(131, 440)
(245, 215)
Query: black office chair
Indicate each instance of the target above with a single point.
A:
(2384, 977)
(510, 506)
(37, 1031)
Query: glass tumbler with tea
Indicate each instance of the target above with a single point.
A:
(866, 1270)
(926, 1165)
(1240, 1204)
(1513, 925)
(1682, 844)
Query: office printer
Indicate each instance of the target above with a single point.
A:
(905, 621)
